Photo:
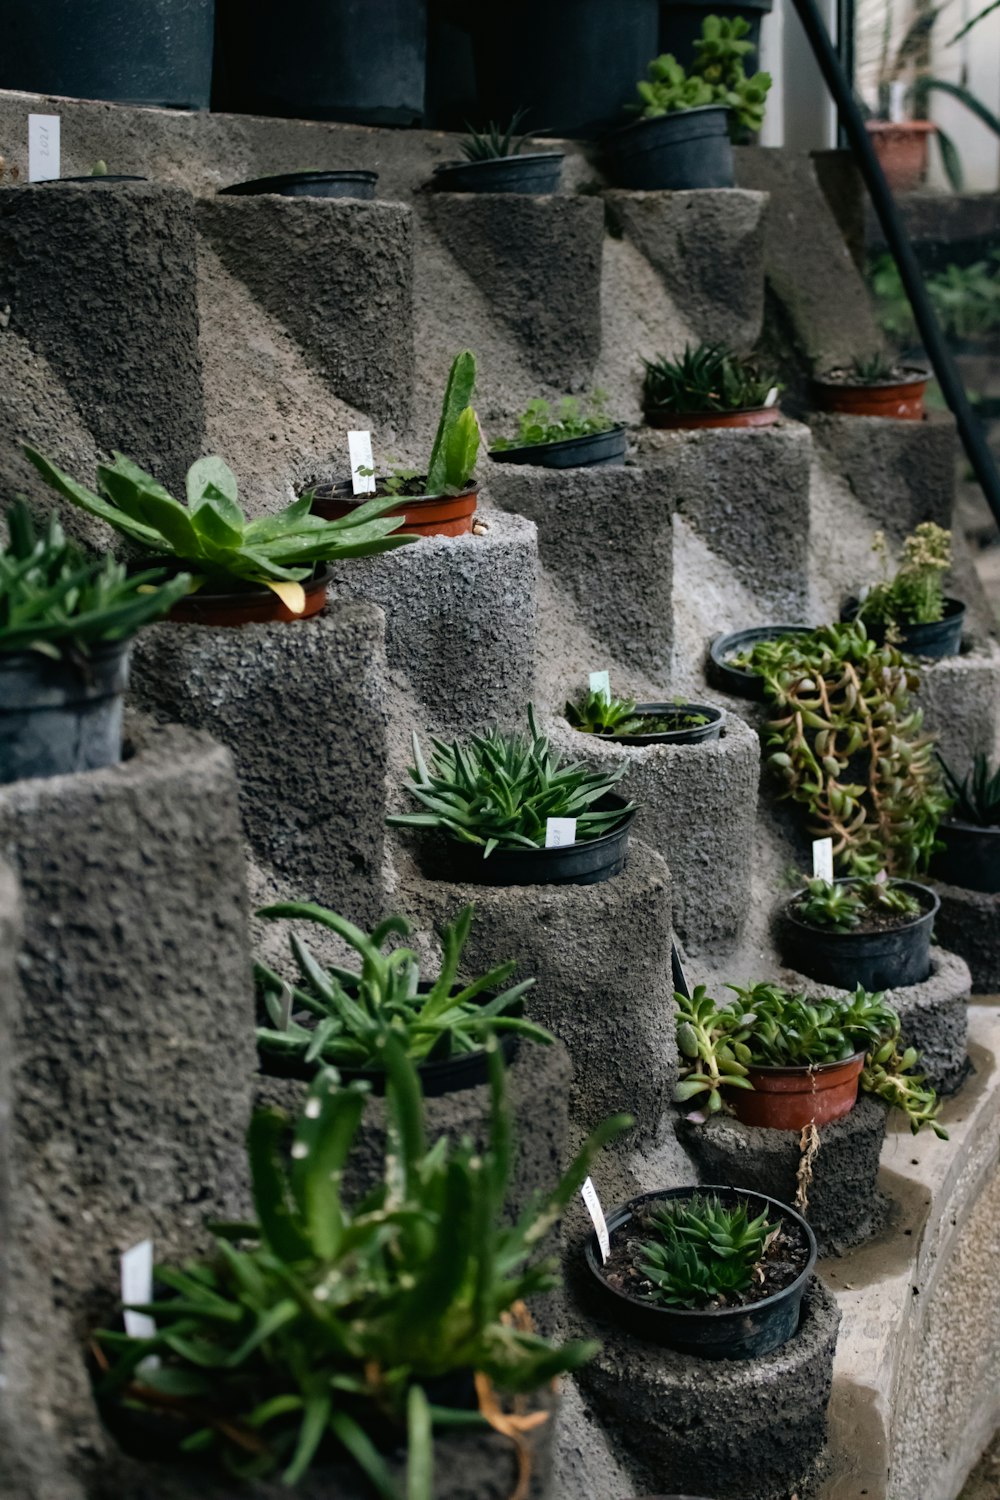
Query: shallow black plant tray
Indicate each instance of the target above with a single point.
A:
(569, 453)
(738, 680)
(335, 184)
(585, 863)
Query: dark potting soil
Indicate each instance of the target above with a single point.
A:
(872, 921)
(898, 375)
(786, 1256)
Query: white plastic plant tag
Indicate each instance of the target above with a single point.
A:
(600, 682)
(589, 1195)
(823, 860)
(43, 148)
(559, 832)
(771, 396)
(360, 445)
(137, 1286)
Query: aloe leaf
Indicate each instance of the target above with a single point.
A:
(457, 396)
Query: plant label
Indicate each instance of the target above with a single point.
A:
(823, 860)
(43, 148)
(600, 682)
(137, 1286)
(360, 445)
(559, 832)
(589, 1195)
(771, 396)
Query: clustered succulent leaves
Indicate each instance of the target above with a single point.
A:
(845, 741)
(703, 1253)
(498, 790)
(56, 600)
(353, 1012)
(717, 76)
(841, 906)
(597, 713)
(706, 378)
(976, 798)
(311, 1328)
(872, 369)
(572, 418)
(494, 142)
(914, 596)
(767, 1026)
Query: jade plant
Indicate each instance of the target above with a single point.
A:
(767, 1026)
(706, 378)
(211, 538)
(352, 1012)
(700, 1251)
(976, 798)
(844, 740)
(572, 418)
(837, 907)
(498, 790)
(914, 595)
(717, 76)
(323, 1326)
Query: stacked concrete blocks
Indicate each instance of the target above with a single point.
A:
(968, 923)
(902, 472)
(960, 697)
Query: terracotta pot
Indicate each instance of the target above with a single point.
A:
(757, 416)
(902, 400)
(436, 515)
(251, 606)
(901, 148)
(791, 1098)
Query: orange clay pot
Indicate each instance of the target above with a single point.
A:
(902, 148)
(437, 515)
(757, 416)
(251, 606)
(903, 399)
(791, 1098)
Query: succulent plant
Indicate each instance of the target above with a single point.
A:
(977, 795)
(706, 378)
(914, 596)
(716, 76)
(703, 1252)
(842, 907)
(456, 444)
(872, 369)
(494, 142)
(540, 423)
(596, 713)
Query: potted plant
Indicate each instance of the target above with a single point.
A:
(716, 1272)
(314, 182)
(66, 623)
(496, 162)
(441, 502)
(872, 932)
(491, 796)
(681, 23)
(681, 138)
(335, 1017)
(912, 605)
(576, 434)
(784, 1062)
(709, 386)
(970, 830)
(330, 1333)
(242, 572)
(625, 722)
(731, 653)
(876, 386)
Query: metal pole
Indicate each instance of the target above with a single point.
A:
(941, 357)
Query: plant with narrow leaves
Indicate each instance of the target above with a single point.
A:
(498, 791)
(914, 595)
(703, 1251)
(456, 444)
(352, 1012)
(841, 907)
(211, 537)
(596, 713)
(872, 369)
(495, 142)
(539, 423)
(316, 1324)
(977, 795)
(57, 601)
(706, 378)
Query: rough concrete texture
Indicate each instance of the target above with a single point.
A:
(708, 246)
(746, 492)
(902, 472)
(538, 260)
(460, 619)
(698, 808)
(590, 522)
(338, 273)
(120, 320)
(960, 696)
(585, 1464)
(733, 1429)
(10, 937)
(845, 1205)
(302, 708)
(969, 924)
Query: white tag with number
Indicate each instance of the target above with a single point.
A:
(360, 445)
(137, 1286)
(589, 1195)
(43, 148)
(559, 832)
(600, 682)
(823, 860)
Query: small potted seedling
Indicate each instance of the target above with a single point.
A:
(709, 386)
(732, 657)
(873, 932)
(573, 435)
(873, 386)
(242, 572)
(782, 1061)
(334, 1017)
(625, 722)
(66, 623)
(912, 604)
(441, 502)
(496, 162)
(717, 1272)
(681, 138)
(970, 831)
(493, 797)
(314, 182)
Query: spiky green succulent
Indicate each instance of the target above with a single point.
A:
(976, 798)
(706, 378)
(701, 1251)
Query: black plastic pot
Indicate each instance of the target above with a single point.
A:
(157, 52)
(689, 148)
(940, 638)
(535, 172)
(60, 716)
(105, 177)
(695, 735)
(307, 185)
(680, 25)
(887, 960)
(360, 60)
(586, 863)
(570, 453)
(970, 857)
(723, 1333)
(737, 680)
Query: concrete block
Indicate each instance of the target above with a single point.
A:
(902, 472)
(960, 697)
(338, 274)
(101, 282)
(969, 924)
(302, 708)
(537, 261)
(708, 247)
(606, 535)
(10, 936)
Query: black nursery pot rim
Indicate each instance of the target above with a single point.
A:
(741, 680)
(691, 733)
(501, 161)
(104, 177)
(985, 830)
(279, 180)
(585, 862)
(560, 445)
(928, 898)
(623, 132)
(953, 608)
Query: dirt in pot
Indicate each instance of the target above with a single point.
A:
(870, 919)
(848, 375)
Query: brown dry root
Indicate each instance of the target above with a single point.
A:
(809, 1150)
(514, 1425)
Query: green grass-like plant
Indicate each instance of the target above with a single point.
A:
(596, 713)
(572, 418)
(717, 76)
(842, 908)
(703, 1252)
(915, 594)
(706, 378)
(872, 369)
(976, 798)
(495, 142)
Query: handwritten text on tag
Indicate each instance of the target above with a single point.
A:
(43, 148)
(589, 1195)
(559, 832)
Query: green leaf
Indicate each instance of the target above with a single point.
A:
(420, 1460)
(457, 396)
